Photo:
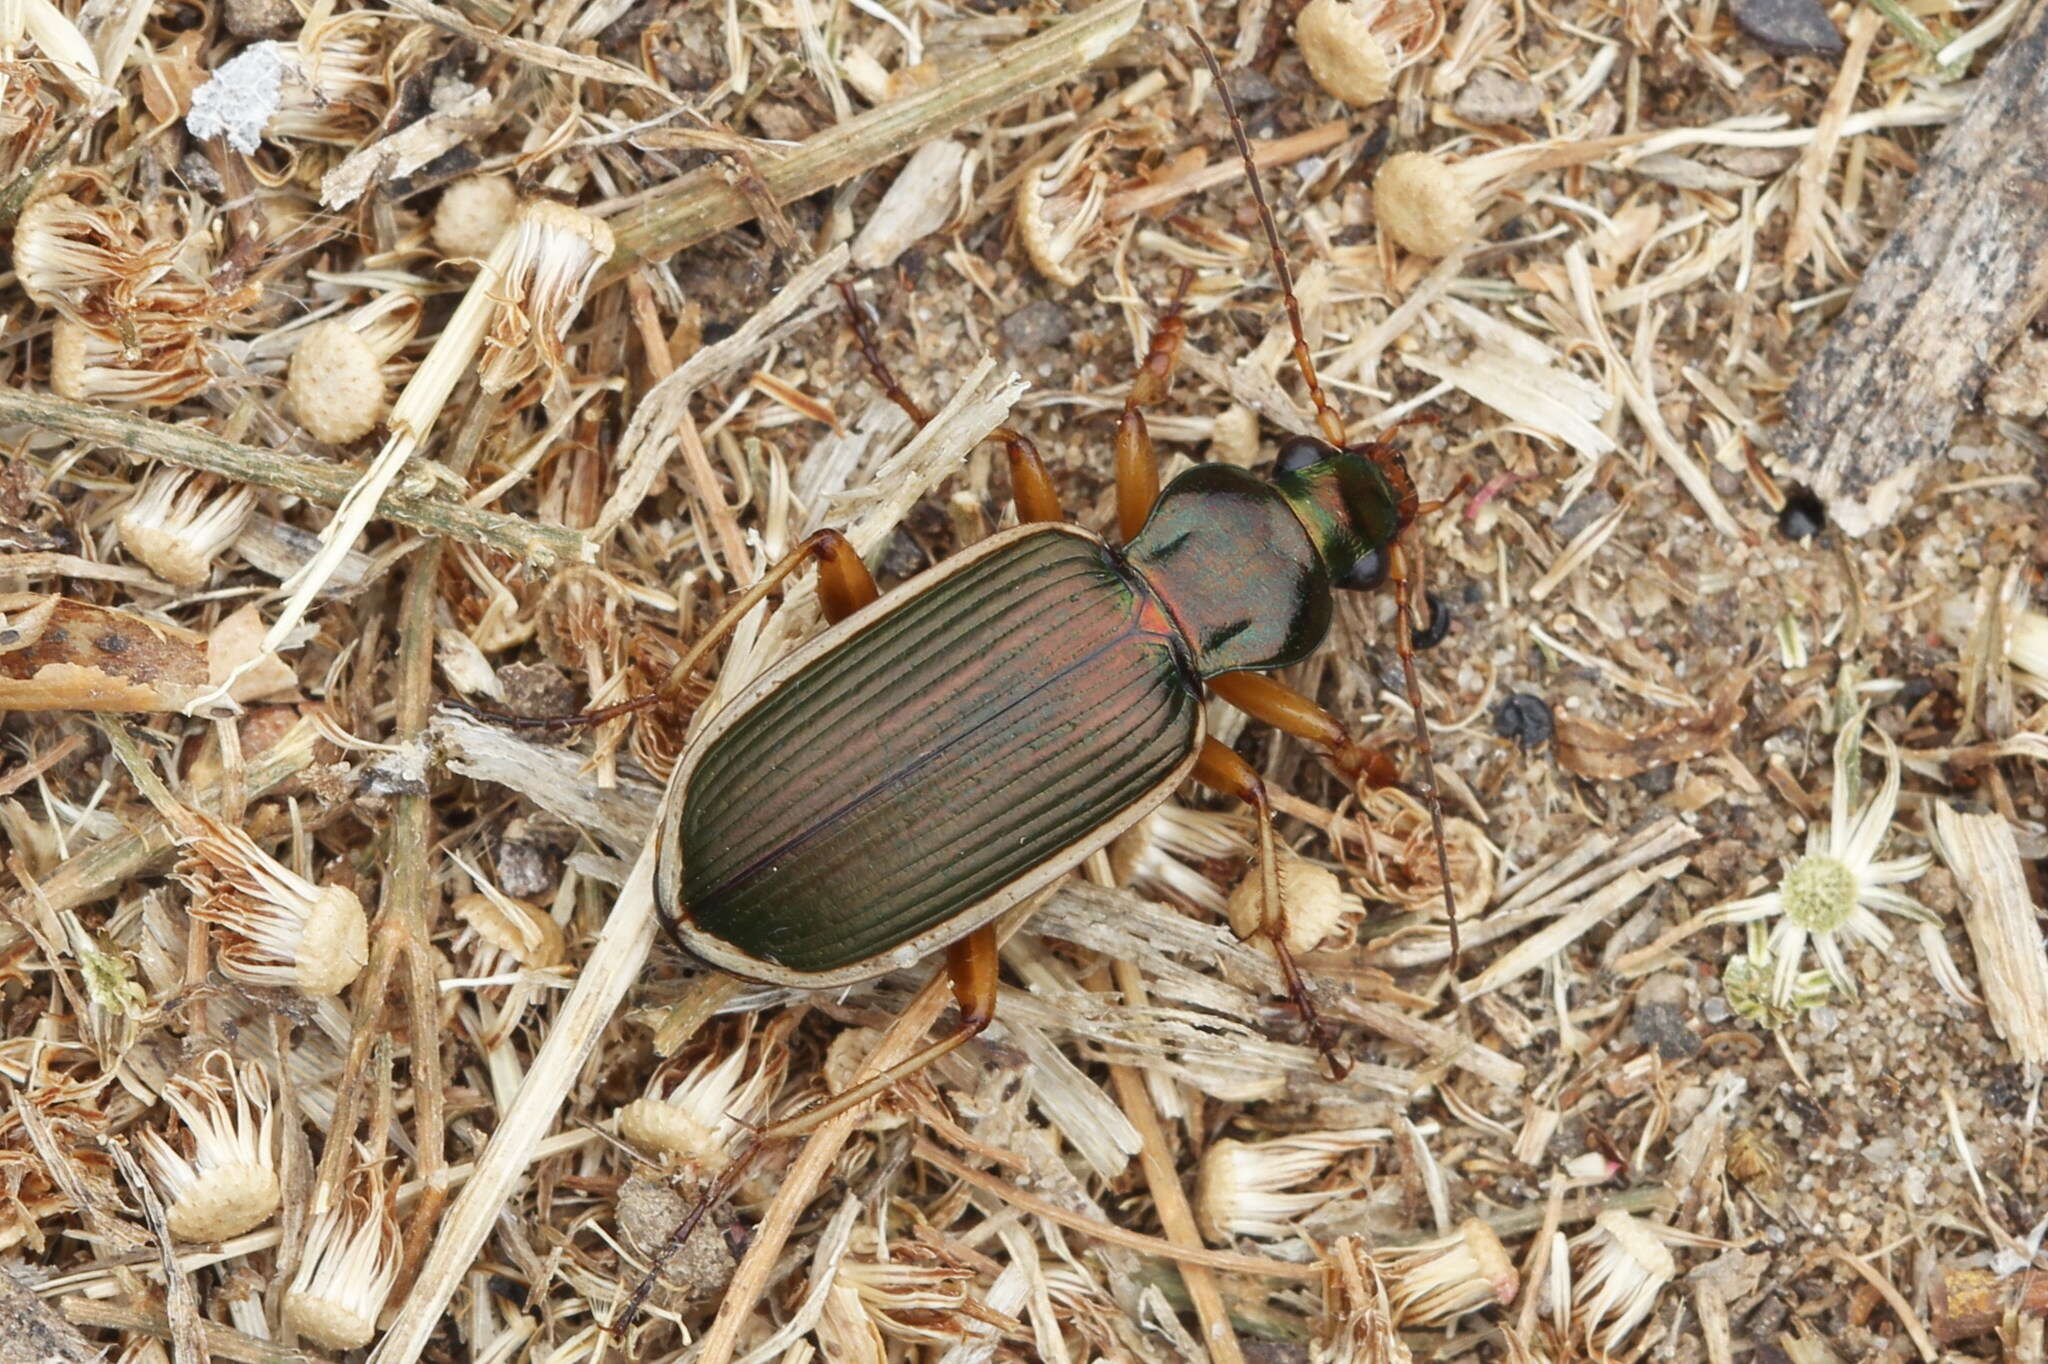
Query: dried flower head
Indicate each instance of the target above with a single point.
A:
(700, 1117)
(1355, 48)
(1430, 204)
(282, 930)
(66, 250)
(502, 934)
(1442, 1279)
(177, 525)
(156, 364)
(914, 1294)
(556, 254)
(1242, 1188)
(1832, 892)
(334, 89)
(349, 1265)
(336, 383)
(472, 215)
(1618, 1269)
(1359, 1320)
(1317, 906)
(1405, 871)
(228, 1183)
(1057, 206)
(1749, 979)
(1169, 851)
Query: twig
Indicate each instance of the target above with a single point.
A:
(704, 203)
(1272, 152)
(1228, 1262)
(222, 1342)
(540, 546)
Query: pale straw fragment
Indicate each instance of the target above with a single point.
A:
(2004, 927)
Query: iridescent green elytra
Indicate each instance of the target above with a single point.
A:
(972, 736)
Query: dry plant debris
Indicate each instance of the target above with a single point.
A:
(358, 358)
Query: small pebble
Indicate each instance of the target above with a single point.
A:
(1663, 1026)
(1036, 326)
(1790, 28)
(1802, 517)
(1581, 514)
(1525, 718)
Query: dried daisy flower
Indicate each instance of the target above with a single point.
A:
(26, 116)
(338, 382)
(348, 1268)
(334, 91)
(1056, 206)
(1442, 1279)
(1749, 979)
(1833, 890)
(501, 934)
(177, 526)
(1618, 1269)
(556, 254)
(282, 930)
(473, 215)
(228, 1183)
(1430, 204)
(1355, 48)
(917, 1297)
(1242, 1188)
(1404, 870)
(700, 1117)
(154, 366)
(1359, 1319)
(1315, 902)
(1164, 853)
(65, 250)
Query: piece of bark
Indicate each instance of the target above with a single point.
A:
(1963, 273)
(30, 1333)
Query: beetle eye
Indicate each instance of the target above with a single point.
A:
(1298, 452)
(1368, 571)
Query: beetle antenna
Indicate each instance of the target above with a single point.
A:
(1326, 415)
(507, 720)
(1404, 635)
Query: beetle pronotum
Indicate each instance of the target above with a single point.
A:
(941, 754)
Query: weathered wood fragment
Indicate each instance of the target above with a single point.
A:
(1964, 272)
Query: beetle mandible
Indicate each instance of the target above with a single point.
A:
(941, 754)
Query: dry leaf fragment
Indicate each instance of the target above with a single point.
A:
(1597, 752)
(88, 657)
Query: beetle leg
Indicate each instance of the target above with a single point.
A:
(1030, 481)
(844, 583)
(1137, 464)
(1401, 573)
(1220, 769)
(1287, 710)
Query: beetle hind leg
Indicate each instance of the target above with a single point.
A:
(1220, 769)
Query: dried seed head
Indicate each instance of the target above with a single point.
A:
(160, 364)
(1429, 204)
(1315, 902)
(349, 1265)
(1405, 871)
(1359, 1319)
(1619, 1268)
(505, 933)
(1234, 439)
(1241, 1187)
(177, 526)
(334, 89)
(229, 1183)
(1166, 854)
(700, 1117)
(282, 930)
(1355, 48)
(65, 250)
(472, 215)
(913, 1295)
(1056, 207)
(1433, 1283)
(556, 254)
(336, 383)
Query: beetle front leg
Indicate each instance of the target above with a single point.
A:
(1220, 769)
(1288, 711)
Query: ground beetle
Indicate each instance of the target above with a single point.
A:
(943, 753)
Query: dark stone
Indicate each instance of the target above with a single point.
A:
(1436, 627)
(1249, 86)
(1657, 781)
(1037, 326)
(1525, 718)
(1663, 1026)
(1790, 28)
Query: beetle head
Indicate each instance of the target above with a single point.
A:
(1355, 502)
